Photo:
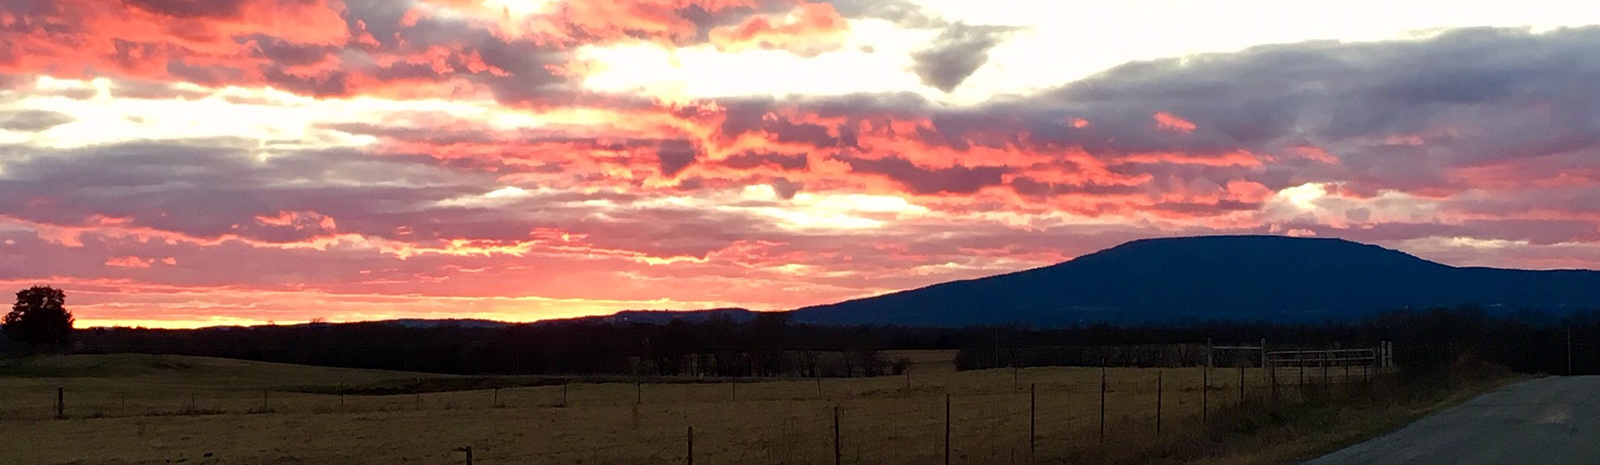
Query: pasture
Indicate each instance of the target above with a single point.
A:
(159, 409)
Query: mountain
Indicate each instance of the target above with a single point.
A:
(452, 322)
(1174, 280)
(661, 317)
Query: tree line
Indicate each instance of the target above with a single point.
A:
(770, 345)
(1526, 342)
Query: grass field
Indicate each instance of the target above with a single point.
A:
(144, 409)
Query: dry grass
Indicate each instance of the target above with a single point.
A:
(773, 422)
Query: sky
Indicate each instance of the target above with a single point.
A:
(183, 163)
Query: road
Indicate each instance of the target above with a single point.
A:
(1543, 421)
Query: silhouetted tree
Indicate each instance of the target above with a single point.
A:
(39, 318)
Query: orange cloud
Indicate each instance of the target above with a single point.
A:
(129, 262)
(809, 30)
(1170, 122)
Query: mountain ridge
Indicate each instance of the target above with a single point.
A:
(1177, 280)
(1203, 278)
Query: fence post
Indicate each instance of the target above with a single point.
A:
(341, 397)
(946, 429)
(1205, 389)
(468, 450)
(838, 455)
(1033, 418)
(61, 403)
(1263, 359)
(564, 382)
(1241, 384)
(1364, 378)
(735, 387)
(1158, 403)
(1324, 363)
(690, 455)
(1102, 401)
(496, 397)
(1345, 362)
(1272, 377)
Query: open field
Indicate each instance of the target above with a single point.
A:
(144, 409)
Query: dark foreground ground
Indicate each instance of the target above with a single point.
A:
(1542, 421)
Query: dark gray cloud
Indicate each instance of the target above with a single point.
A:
(902, 13)
(920, 180)
(1397, 115)
(32, 120)
(957, 53)
(744, 161)
(675, 155)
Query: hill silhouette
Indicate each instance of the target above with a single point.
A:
(1174, 280)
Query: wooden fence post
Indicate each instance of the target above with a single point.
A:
(1102, 402)
(1345, 361)
(690, 456)
(61, 403)
(1324, 363)
(946, 429)
(1158, 403)
(1263, 359)
(1205, 388)
(1241, 384)
(1033, 418)
(838, 454)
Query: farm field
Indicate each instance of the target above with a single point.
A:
(145, 409)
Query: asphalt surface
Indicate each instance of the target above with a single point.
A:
(1543, 421)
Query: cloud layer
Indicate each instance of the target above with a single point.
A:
(254, 160)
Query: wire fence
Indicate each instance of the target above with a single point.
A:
(1005, 415)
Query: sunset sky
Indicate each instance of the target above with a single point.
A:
(204, 162)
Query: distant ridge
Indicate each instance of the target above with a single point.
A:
(1256, 278)
(1175, 281)
(662, 316)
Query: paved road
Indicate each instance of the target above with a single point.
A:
(1543, 421)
